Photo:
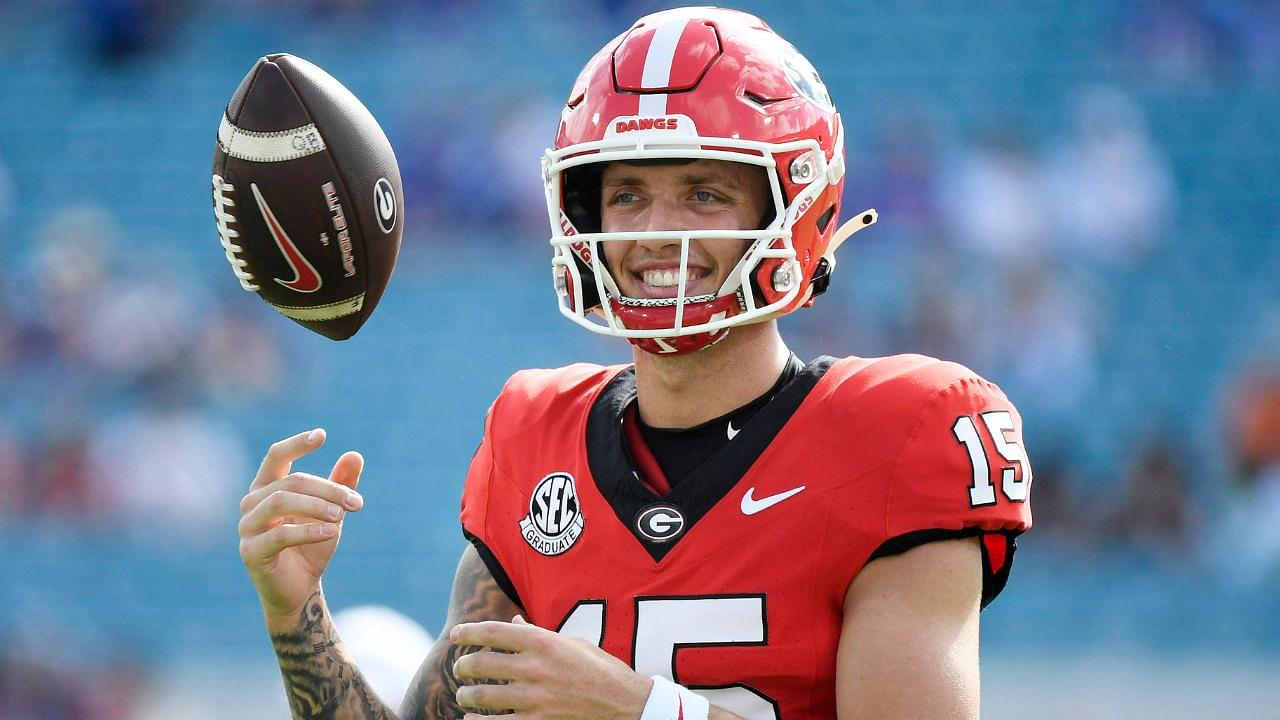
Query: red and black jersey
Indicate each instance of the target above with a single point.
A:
(733, 583)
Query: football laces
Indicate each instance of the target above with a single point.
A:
(221, 201)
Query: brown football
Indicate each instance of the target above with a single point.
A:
(307, 196)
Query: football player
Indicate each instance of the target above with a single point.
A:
(719, 529)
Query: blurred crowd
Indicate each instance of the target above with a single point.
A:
(115, 371)
(44, 683)
(998, 247)
(113, 423)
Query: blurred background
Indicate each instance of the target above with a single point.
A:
(1080, 200)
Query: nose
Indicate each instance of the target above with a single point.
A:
(663, 216)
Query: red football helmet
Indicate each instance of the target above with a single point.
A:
(696, 83)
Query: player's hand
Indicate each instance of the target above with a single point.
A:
(290, 522)
(547, 675)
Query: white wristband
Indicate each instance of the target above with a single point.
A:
(668, 701)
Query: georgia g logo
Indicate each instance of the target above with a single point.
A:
(554, 522)
(384, 201)
(660, 523)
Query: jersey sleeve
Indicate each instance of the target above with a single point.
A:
(476, 497)
(962, 471)
(475, 492)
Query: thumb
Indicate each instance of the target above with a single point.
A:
(519, 620)
(346, 471)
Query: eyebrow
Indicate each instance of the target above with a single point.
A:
(687, 179)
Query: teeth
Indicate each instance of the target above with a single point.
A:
(665, 278)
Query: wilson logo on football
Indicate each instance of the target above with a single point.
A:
(554, 522)
(660, 523)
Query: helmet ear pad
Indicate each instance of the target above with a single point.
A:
(810, 236)
(581, 191)
(581, 187)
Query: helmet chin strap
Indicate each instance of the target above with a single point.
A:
(861, 221)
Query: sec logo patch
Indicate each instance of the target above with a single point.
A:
(554, 522)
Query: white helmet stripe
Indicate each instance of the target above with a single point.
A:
(652, 105)
(657, 65)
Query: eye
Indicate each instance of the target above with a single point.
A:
(624, 198)
(704, 196)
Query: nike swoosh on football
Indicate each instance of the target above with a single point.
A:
(751, 506)
(305, 278)
(731, 432)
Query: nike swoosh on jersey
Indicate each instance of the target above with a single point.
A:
(731, 432)
(751, 506)
(305, 278)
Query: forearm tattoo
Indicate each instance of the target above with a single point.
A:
(320, 678)
(476, 597)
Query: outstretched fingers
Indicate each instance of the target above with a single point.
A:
(280, 456)
(346, 471)
(285, 506)
(303, 484)
(268, 544)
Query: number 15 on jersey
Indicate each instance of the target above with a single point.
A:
(1014, 476)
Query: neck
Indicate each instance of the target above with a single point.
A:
(682, 391)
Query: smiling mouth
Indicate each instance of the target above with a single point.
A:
(665, 282)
